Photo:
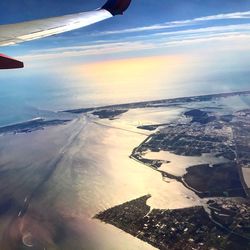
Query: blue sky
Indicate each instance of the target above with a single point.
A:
(142, 13)
(160, 10)
(158, 49)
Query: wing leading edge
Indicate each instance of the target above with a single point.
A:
(11, 34)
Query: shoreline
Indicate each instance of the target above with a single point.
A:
(112, 131)
(169, 102)
(144, 104)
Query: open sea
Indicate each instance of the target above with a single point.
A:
(28, 94)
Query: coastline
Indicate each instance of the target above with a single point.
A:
(96, 162)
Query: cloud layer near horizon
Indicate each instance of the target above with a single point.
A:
(176, 34)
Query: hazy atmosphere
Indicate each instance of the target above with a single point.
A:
(175, 48)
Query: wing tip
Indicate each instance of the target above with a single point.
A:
(10, 63)
(116, 7)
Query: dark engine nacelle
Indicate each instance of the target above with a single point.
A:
(116, 7)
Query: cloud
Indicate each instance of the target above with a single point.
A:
(214, 31)
(153, 42)
(178, 24)
(88, 50)
(161, 38)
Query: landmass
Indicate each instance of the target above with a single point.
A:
(217, 181)
(170, 102)
(223, 222)
(151, 127)
(224, 138)
(109, 113)
(174, 229)
(233, 215)
(29, 126)
(199, 116)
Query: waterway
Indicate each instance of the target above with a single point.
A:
(92, 171)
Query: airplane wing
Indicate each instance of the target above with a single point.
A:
(26, 31)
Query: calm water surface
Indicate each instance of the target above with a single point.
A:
(92, 172)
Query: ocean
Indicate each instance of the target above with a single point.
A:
(30, 93)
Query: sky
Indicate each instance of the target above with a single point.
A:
(157, 49)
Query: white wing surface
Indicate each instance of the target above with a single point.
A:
(21, 32)
(26, 31)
